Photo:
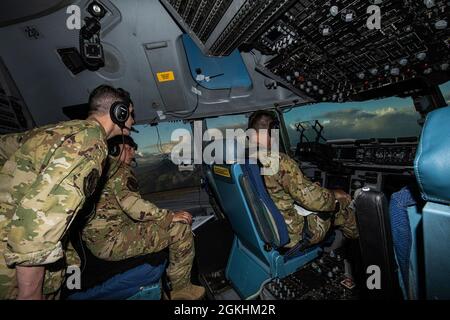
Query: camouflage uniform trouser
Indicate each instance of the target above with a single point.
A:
(317, 228)
(344, 219)
(132, 239)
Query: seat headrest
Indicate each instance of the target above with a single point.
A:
(432, 162)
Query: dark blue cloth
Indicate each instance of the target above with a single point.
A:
(401, 230)
(124, 285)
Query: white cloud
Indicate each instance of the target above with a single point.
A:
(360, 123)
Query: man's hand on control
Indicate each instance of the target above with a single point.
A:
(183, 217)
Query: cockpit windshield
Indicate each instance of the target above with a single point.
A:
(155, 170)
(385, 118)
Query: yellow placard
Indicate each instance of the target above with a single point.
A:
(221, 171)
(165, 76)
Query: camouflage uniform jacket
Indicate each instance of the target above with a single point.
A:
(289, 186)
(120, 202)
(42, 187)
(9, 143)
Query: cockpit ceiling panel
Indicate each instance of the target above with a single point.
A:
(15, 11)
(330, 50)
(202, 16)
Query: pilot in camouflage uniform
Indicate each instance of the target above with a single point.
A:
(42, 186)
(125, 225)
(308, 209)
(289, 186)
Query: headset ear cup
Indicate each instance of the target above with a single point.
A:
(113, 150)
(119, 113)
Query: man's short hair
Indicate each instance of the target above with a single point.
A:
(103, 97)
(125, 95)
(261, 120)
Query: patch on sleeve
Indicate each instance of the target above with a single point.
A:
(132, 184)
(90, 182)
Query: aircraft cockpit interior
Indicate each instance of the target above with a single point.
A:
(348, 99)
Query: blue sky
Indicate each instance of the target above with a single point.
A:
(390, 117)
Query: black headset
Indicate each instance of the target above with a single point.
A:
(115, 142)
(120, 112)
(113, 149)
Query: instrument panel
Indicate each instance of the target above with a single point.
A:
(392, 154)
(335, 51)
(325, 278)
(329, 51)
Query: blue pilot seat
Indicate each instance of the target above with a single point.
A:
(136, 278)
(432, 169)
(258, 252)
